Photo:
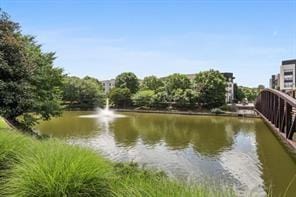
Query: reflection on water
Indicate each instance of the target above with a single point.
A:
(238, 152)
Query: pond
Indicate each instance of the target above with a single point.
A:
(241, 153)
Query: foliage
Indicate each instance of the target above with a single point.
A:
(184, 98)
(160, 100)
(176, 81)
(152, 83)
(127, 80)
(94, 80)
(143, 98)
(246, 92)
(210, 86)
(84, 92)
(52, 168)
(120, 97)
(28, 81)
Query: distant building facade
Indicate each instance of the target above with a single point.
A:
(288, 76)
(108, 85)
(274, 82)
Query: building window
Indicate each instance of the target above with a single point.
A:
(288, 84)
(288, 72)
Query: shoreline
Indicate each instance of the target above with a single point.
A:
(226, 114)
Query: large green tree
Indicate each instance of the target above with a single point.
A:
(243, 92)
(120, 97)
(160, 100)
(127, 80)
(152, 83)
(86, 92)
(29, 83)
(210, 86)
(176, 81)
(184, 98)
(143, 98)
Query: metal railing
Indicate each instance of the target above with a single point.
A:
(280, 109)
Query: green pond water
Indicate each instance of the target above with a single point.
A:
(241, 153)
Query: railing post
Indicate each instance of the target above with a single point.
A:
(288, 118)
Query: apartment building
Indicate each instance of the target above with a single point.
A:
(274, 82)
(108, 85)
(288, 76)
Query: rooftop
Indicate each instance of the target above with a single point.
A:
(287, 62)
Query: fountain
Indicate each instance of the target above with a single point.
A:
(104, 113)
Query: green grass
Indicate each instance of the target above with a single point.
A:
(31, 167)
(12, 146)
(3, 124)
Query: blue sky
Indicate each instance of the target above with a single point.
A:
(104, 38)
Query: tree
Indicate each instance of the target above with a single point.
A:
(91, 93)
(176, 81)
(184, 98)
(238, 93)
(86, 92)
(127, 80)
(152, 83)
(247, 92)
(210, 86)
(71, 89)
(143, 98)
(160, 100)
(29, 84)
(120, 97)
(94, 80)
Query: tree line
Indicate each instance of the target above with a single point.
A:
(206, 90)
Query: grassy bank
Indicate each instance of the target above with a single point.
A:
(30, 167)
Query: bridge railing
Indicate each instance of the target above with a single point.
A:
(280, 109)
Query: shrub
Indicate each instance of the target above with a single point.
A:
(55, 169)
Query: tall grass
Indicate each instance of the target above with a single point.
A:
(133, 181)
(55, 169)
(12, 146)
(52, 168)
